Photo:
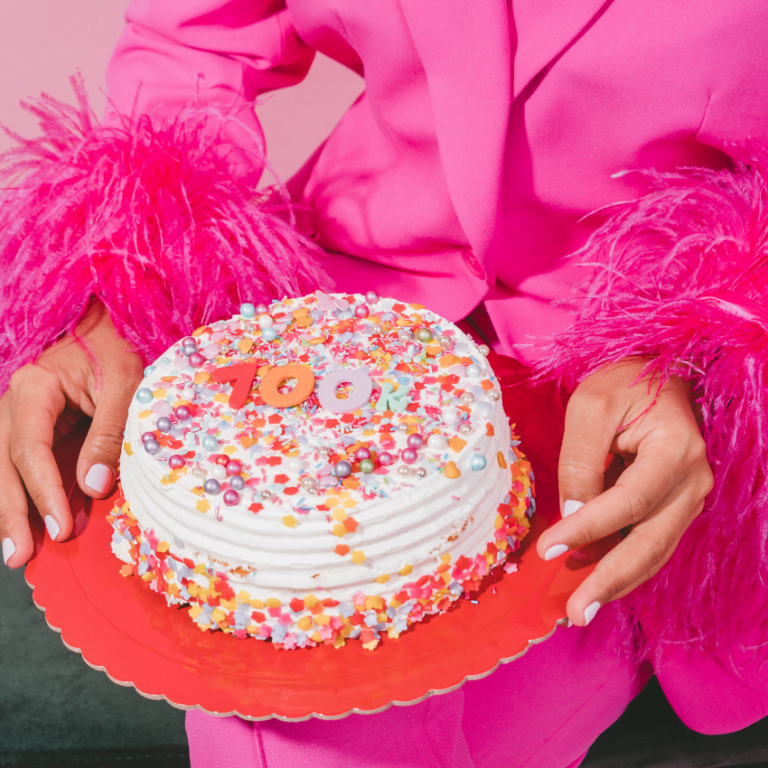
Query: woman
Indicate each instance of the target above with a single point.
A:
(458, 179)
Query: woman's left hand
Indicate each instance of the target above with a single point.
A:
(659, 494)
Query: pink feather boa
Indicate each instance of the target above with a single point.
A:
(681, 275)
(149, 221)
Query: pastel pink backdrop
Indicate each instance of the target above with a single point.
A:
(42, 42)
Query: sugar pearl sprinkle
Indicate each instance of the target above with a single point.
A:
(304, 463)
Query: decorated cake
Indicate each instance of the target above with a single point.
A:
(320, 469)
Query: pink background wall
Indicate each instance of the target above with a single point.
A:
(42, 42)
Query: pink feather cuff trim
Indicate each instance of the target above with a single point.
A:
(681, 275)
(150, 221)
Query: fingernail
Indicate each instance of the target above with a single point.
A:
(9, 549)
(590, 611)
(52, 527)
(99, 478)
(571, 506)
(556, 551)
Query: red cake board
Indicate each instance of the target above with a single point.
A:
(121, 627)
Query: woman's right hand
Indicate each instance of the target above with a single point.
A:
(92, 373)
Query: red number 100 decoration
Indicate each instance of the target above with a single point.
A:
(242, 376)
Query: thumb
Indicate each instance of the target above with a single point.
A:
(100, 454)
(585, 452)
(586, 442)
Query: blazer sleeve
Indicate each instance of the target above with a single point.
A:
(210, 53)
(679, 277)
(154, 211)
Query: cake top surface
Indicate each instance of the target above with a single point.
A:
(422, 384)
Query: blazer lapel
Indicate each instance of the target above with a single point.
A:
(464, 46)
(544, 29)
(467, 49)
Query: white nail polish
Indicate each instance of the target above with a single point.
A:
(52, 527)
(571, 506)
(99, 478)
(556, 551)
(9, 549)
(590, 611)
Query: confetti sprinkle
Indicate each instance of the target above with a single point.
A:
(452, 471)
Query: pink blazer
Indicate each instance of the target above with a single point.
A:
(485, 133)
(461, 173)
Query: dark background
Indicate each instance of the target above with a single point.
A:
(56, 711)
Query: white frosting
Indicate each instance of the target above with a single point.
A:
(413, 527)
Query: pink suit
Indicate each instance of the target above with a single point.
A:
(487, 130)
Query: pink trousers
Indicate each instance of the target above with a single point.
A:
(543, 710)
